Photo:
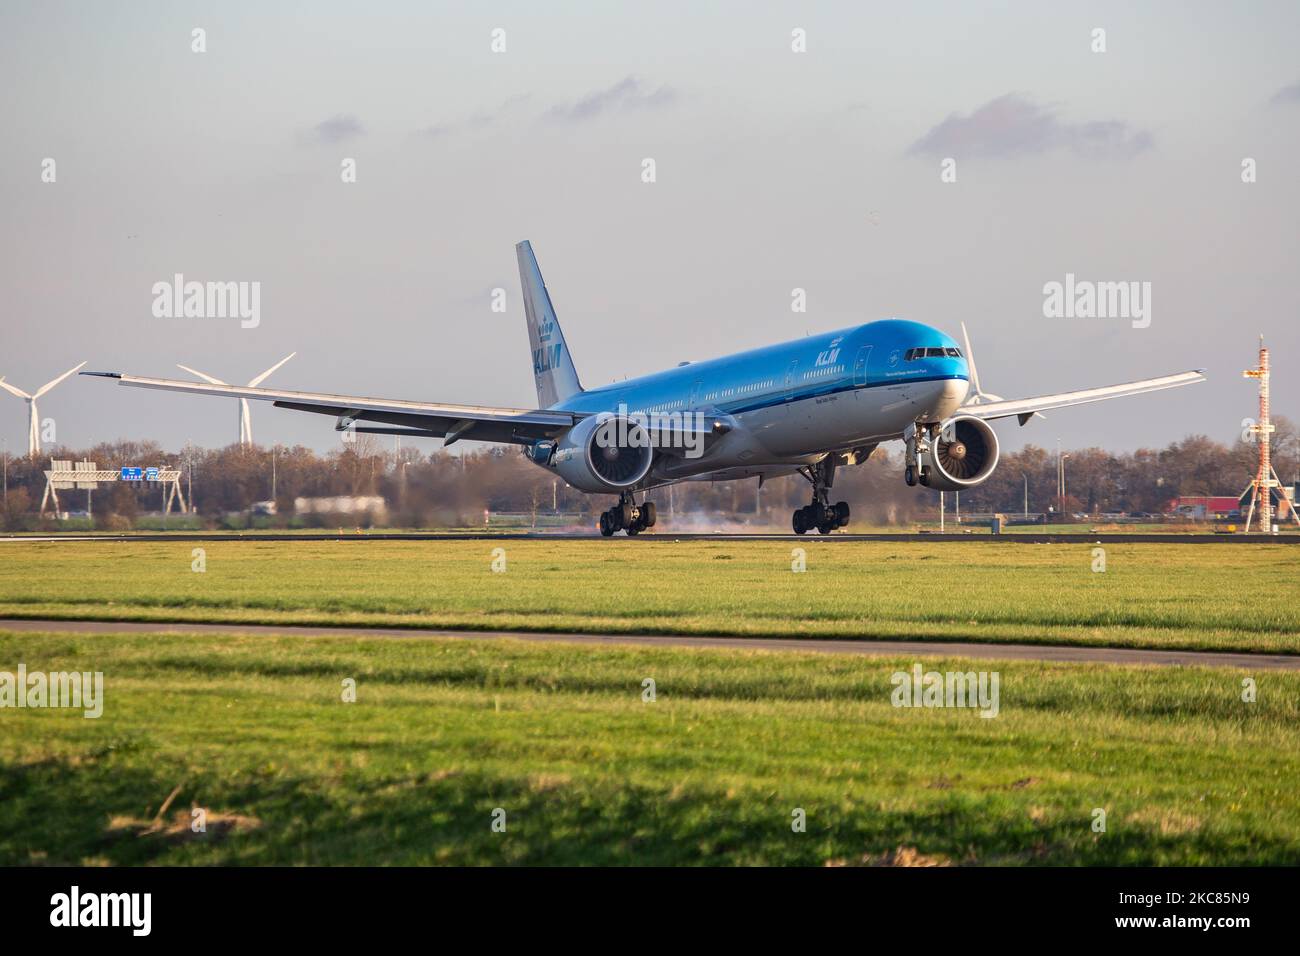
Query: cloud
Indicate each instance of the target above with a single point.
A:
(336, 129)
(1012, 125)
(627, 95)
(1287, 96)
(477, 121)
(438, 130)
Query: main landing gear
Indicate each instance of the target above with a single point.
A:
(822, 515)
(627, 516)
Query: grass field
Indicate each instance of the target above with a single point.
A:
(1244, 598)
(443, 732)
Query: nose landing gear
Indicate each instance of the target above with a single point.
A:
(628, 516)
(820, 514)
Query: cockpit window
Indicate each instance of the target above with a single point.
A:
(913, 354)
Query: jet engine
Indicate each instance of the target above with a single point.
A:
(603, 454)
(962, 454)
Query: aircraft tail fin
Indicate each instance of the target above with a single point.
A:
(553, 370)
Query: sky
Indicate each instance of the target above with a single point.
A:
(775, 170)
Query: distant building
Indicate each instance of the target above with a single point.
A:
(341, 505)
(1282, 501)
(1204, 507)
(1211, 507)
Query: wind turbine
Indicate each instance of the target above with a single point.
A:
(33, 416)
(245, 417)
(978, 395)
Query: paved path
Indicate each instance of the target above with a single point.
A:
(1021, 652)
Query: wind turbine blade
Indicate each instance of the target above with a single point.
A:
(245, 423)
(207, 378)
(13, 391)
(970, 361)
(262, 378)
(49, 385)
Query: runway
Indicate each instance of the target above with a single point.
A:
(1016, 652)
(982, 536)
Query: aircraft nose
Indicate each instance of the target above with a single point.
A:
(951, 396)
(941, 399)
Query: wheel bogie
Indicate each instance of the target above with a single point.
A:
(628, 516)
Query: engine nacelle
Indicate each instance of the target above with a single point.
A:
(603, 454)
(961, 455)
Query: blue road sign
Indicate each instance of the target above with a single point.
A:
(132, 474)
(151, 474)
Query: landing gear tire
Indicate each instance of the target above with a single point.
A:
(628, 516)
(909, 476)
(820, 514)
(827, 519)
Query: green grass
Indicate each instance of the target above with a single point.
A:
(1183, 597)
(445, 731)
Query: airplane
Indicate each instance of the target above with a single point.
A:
(804, 407)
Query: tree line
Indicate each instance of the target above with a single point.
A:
(437, 487)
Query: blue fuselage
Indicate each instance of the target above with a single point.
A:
(833, 390)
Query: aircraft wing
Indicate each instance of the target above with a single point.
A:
(1025, 408)
(394, 417)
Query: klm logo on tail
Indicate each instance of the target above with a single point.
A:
(547, 358)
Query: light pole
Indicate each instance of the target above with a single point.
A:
(1062, 487)
(1026, 477)
(1058, 469)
